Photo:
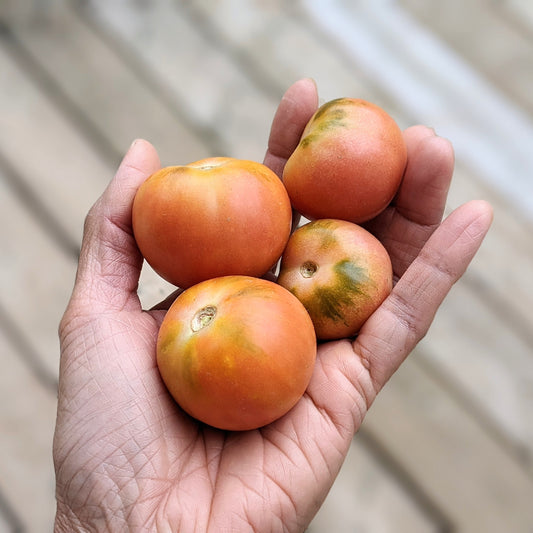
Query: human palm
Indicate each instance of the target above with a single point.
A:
(127, 458)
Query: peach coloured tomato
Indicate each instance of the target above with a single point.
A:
(215, 217)
(349, 162)
(339, 271)
(236, 352)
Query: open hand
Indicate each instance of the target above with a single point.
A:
(127, 458)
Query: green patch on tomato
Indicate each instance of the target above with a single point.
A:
(325, 108)
(330, 301)
(188, 364)
(243, 347)
(335, 119)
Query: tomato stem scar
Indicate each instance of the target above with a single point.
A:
(203, 317)
(308, 269)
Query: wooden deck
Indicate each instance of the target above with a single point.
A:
(448, 446)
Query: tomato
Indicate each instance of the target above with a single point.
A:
(349, 162)
(214, 217)
(236, 352)
(339, 271)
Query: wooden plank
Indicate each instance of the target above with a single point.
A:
(63, 171)
(502, 266)
(219, 95)
(274, 44)
(449, 455)
(13, 11)
(35, 281)
(5, 523)
(61, 180)
(61, 176)
(113, 98)
(482, 339)
(482, 358)
(27, 419)
(521, 12)
(367, 497)
(9, 521)
(479, 33)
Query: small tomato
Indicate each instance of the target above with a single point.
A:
(339, 271)
(214, 217)
(236, 352)
(349, 162)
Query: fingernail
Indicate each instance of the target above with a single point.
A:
(135, 141)
(313, 81)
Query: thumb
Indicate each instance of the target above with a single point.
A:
(110, 262)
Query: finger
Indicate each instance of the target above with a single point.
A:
(393, 331)
(297, 106)
(422, 196)
(419, 204)
(110, 262)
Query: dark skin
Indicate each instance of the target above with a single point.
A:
(127, 458)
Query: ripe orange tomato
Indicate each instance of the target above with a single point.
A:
(349, 162)
(236, 352)
(214, 217)
(339, 271)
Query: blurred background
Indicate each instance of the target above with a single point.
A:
(448, 445)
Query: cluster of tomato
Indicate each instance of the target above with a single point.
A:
(237, 351)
